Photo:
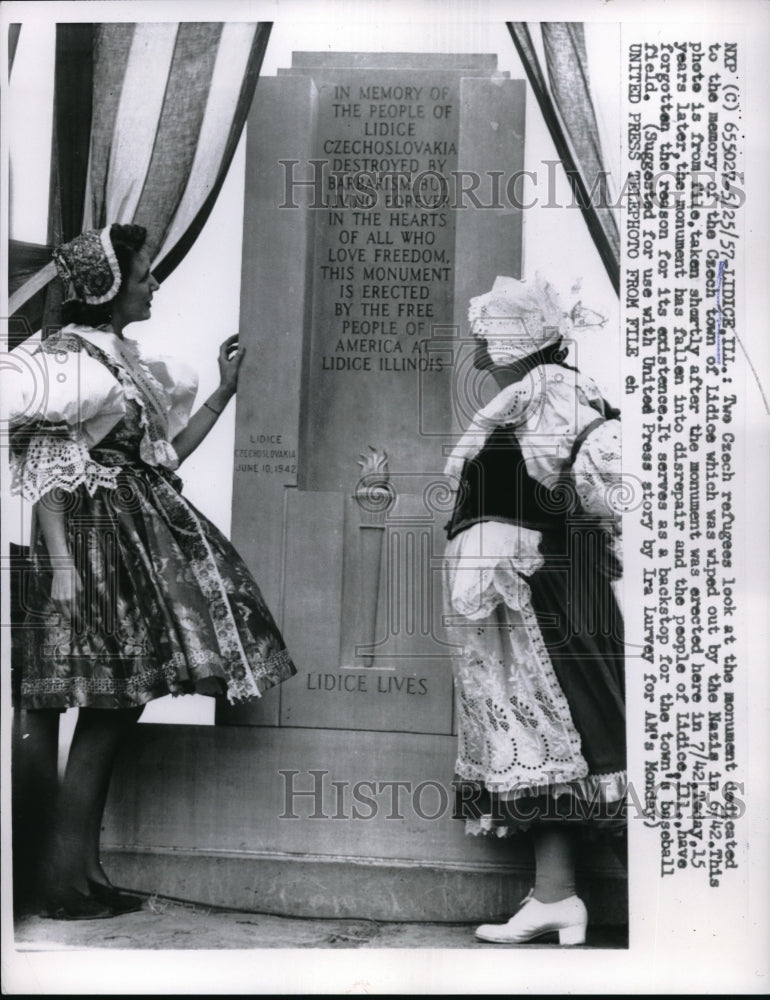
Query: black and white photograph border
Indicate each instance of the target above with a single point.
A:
(286, 834)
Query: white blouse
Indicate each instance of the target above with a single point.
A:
(547, 409)
(68, 402)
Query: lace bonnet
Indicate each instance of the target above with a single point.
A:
(88, 267)
(517, 318)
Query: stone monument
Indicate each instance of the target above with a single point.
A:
(380, 196)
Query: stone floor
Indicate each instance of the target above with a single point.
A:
(176, 948)
(173, 925)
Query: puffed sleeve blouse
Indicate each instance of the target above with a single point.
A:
(549, 409)
(59, 401)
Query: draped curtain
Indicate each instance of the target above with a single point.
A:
(13, 41)
(566, 104)
(147, 118)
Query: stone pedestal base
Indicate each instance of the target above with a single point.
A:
(201, 813)
(310, 887)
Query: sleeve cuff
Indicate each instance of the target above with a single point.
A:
(52, 461)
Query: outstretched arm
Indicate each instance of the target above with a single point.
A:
(201, 422)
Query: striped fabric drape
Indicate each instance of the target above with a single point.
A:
(169, 105)
(569, 113)
(13, 41)
(29, 264)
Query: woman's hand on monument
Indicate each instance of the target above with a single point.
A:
(230, 358)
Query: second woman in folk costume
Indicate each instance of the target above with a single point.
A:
(533, 552)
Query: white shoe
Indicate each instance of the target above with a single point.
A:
(569, 917)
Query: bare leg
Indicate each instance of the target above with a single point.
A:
(97, 736)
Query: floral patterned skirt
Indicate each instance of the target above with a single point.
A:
(165, 605)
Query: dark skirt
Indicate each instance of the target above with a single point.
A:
(165, 605)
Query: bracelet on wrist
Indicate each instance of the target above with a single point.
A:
(208, 407)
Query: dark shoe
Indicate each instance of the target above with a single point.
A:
(71, 904)
(119, 902)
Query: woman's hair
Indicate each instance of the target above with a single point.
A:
(127, 240)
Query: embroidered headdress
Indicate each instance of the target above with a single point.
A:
(517, 318)
(88, 267)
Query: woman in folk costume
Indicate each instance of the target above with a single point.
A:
(533, 552)
(135, 595)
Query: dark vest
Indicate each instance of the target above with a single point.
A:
(495, 486)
